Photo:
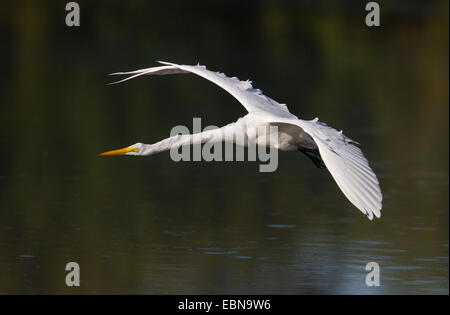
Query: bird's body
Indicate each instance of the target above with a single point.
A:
(325, 146)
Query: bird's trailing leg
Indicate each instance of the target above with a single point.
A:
(315, 157)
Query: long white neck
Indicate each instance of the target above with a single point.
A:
(224, 134)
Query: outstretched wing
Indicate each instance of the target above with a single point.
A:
(252, 99)
(347, 164)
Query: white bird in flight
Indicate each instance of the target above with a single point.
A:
(325, 146)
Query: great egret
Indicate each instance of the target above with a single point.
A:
(326, 147)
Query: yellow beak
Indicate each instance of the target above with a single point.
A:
(120, 151)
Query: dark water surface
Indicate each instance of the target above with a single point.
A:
(150, 225)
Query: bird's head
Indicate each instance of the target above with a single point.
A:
(135, 149)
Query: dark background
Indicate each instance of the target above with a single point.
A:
(150, 225)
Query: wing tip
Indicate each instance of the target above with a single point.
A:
(164, 62)
(371, 212)
(117, 82)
